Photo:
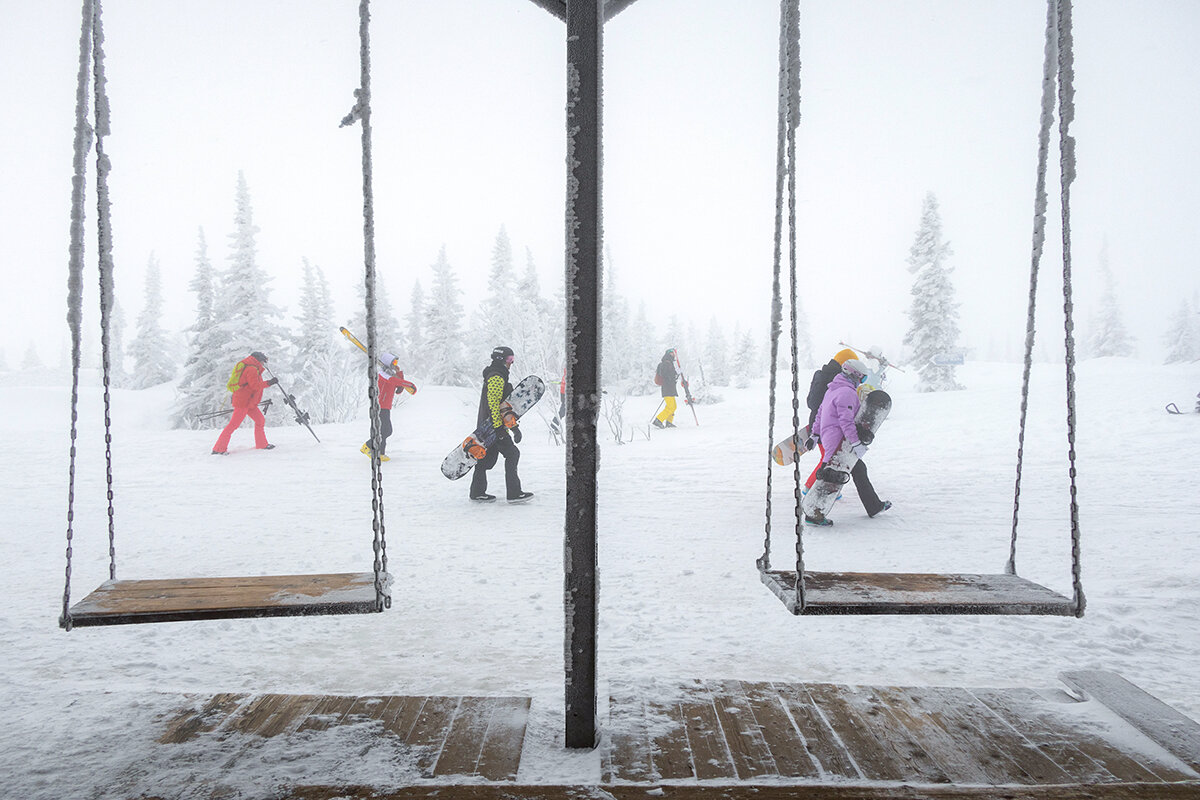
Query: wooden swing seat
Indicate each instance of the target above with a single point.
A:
(181, 599)
(915, 593)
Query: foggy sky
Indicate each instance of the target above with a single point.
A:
(898, 99)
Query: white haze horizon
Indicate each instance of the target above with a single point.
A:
(934, 96)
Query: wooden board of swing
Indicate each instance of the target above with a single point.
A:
(916, 593)
(123, 602)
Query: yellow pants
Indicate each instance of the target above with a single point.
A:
(668, 413)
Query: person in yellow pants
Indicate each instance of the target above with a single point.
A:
(667, 376)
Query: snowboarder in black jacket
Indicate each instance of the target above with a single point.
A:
(666, 376)
(495, 391)
(816, 393)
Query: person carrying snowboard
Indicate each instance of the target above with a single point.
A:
(495, 391)
(391, 382)
(666, 376)
(816, 393)
(247, 385)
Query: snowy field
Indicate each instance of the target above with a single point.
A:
(477, 605)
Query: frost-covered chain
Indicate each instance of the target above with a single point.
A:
(764, 563)
(1066, 115)
(1049, 75)
(104, 251)
(83, 145)
(362, 112)
(791, 68)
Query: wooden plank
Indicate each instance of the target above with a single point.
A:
(1004, 756)
(253, 714)
(756, 791)
(706, 739)
(751, 756)
(953, 753)
(784, 741)
(500, 756)
(916, 593)
(328, 711)
(879, 745)
(464, 739)
(823, 745)
(629, 751)
(429, 732)
(1080, 751)
(1179, 735)
(193, 722)
(670, 754)
(128, 602)
(399, 715)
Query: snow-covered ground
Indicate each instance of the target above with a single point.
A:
(477, 603)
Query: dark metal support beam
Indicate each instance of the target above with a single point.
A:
(585, 33)
(559, 7)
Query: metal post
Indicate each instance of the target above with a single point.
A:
(585, 26)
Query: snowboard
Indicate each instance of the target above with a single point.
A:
(462, 458)
(791, 448)
(835, 473)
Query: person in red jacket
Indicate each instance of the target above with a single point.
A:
(247, 385)
(391, 382)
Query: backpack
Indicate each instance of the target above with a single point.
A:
(235, 379)
(658, 379)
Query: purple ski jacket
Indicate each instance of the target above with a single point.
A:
(835, 418)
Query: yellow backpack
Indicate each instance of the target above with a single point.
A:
(235, 379)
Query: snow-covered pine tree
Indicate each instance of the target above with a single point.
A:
(745, 359)
(116, 346)
(32, 362)
(152, 360)
(444, 365)
(1108, 336)
(616, 367)
(326, 375)
(415, 333)
(644, 353)
(1182, 338)
(716, 355)
(244, 307)
(389, 333)
(496, 319)
(205, 372)
(933, 334)
(536, 340)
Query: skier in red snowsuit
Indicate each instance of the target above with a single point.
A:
(391, 381)
(246, 397)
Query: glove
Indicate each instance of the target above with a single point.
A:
(273, 382)
(516, 435)
(858, 449)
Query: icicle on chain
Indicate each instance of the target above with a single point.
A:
(82, 146)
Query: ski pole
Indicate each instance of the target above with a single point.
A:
(687, 392)
(264, 405)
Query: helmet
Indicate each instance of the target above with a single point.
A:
(855, 370)
(259, 357)
(502, 353)
(670, 354)
(845, 355)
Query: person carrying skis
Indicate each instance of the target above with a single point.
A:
(391, 382)
(816, 393)
(495, 391)
(247, 385)
(665, 376)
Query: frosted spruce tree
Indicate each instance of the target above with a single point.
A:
(1182, 339)
(152, 360)
(496, 319)
(538, 334)
(205, 371)
(325, 372)
(415, 332)
(933, 315)
(1108, 334)
(32, 362)
(644, 354)
(116, 346)
(745, 359)
(389, 333)
(617, 366)
(444, 363)
(243, 301)
(716, 355)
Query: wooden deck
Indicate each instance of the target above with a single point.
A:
(183, 599)
(468, 737)
(718, 740)
(915, 593)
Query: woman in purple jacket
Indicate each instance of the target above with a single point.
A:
(835, 418)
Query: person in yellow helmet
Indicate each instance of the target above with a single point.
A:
(816, 393)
